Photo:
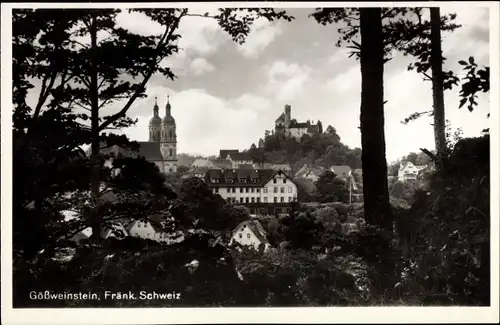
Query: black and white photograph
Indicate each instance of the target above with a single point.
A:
(158, 157)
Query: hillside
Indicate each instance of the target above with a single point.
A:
(323, 149)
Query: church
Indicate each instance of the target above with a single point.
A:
(162, 145)
(161, 149)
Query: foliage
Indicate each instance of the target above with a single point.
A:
(476, 80)
(329, 188)
(324, 149)
(445, 235)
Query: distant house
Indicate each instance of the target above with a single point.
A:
(240, 158)
(151, 229)
(310, 172)
(224, 152)
(262, 191)
(250, 233)
(344, 173)
(284, 167)
(116, 230)
(409, 172)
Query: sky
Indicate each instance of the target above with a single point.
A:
(226, 95)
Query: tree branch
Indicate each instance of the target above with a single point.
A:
(164, 40)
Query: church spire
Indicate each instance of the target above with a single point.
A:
(168, 107)
(156, 108)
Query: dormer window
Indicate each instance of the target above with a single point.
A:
(275, 181)
(215, 180)
(229, 180)
(243, 180)
(255, 180)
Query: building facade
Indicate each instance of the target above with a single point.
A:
(263, 191)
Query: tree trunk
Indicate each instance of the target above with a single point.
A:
(437, 85)
(94, 101)
(374, 165)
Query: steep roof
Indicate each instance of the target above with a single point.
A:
(224, 152)
(240, 156)
(341, 171)
(281, 118)
(256, 228)
(246, 166)
(237, 175)
(202, 162)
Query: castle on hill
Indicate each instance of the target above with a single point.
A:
(290, 128)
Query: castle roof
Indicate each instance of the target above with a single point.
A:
(299, 125)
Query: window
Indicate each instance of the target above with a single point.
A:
(275, 199)
(229, 180)
(289, 199)
(246, 189)
(258, 199)
(248, 236)
(241, 189)
(139, 224)
(170, 152)
(216, 190)
(282, 199)
(275, 190)
(253, 200)
(241, 200)
(234, 189)
(265, 189)
(242, 180)
(170, 134)
(265, 199)
(247, 200)
(257, 190)
(171, 169)
(275, 181)
(284, 180)
(282, 190)
(289, 189)
(241, 236)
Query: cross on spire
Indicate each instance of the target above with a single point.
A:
(156, 100)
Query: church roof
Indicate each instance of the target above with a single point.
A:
(155, 120)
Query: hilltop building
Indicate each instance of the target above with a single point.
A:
(290, 128)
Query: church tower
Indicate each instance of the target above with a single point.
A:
(168, 141)
(155, 125)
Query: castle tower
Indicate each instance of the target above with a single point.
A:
(288, 116)
(168, 140)
(155, 125)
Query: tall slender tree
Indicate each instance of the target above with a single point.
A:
(375, 191)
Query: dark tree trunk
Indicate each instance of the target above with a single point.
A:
(437, 85)
(374, 165)
(94, 101)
